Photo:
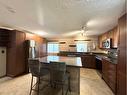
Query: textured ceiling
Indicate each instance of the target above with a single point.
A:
(61, 18)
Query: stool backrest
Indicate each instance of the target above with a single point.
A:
(57, 71)
(34, 66)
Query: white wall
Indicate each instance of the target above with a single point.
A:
(2, 62)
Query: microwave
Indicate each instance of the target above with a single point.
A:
(107, 43)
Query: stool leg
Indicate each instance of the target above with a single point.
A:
(67, 90)
(69, 84)
(31, 85)
(38, 85)
(62, 90)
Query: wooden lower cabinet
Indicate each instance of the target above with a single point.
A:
(109, 74)
(89, 61)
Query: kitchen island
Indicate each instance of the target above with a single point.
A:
(73, 67)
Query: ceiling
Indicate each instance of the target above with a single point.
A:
(61, 18)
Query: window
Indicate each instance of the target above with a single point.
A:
(53, 47)
(53, 58)
(81, 47)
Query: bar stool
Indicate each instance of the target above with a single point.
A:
(37, 71)
(59, 75)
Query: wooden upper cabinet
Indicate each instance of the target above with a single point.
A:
(110, 34)
(102, 38)
(113, 34)
(100, 41)
(4, 37)
(115, 37)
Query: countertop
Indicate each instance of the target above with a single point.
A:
(70, 61)
(112, 60)
(98, 55)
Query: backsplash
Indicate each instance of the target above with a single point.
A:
(113, 53)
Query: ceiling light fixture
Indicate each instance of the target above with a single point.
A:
(83, 30)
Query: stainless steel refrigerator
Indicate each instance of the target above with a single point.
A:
(30, 51)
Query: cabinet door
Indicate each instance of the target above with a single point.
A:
(20, 52)
(100, 41)
(4, 37)
(112, 76)
(88, 61)
(105, 70)
(113, 34)
(15, 54)
(102, 38)
(11, 60)
(11, 55)
(110, 34)
(121, 66)
(109, 74)
(115, 37)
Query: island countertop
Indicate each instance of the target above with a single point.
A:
(70, 61)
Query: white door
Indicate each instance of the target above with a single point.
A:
(2, 61)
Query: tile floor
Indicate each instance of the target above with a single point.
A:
(90, 84)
